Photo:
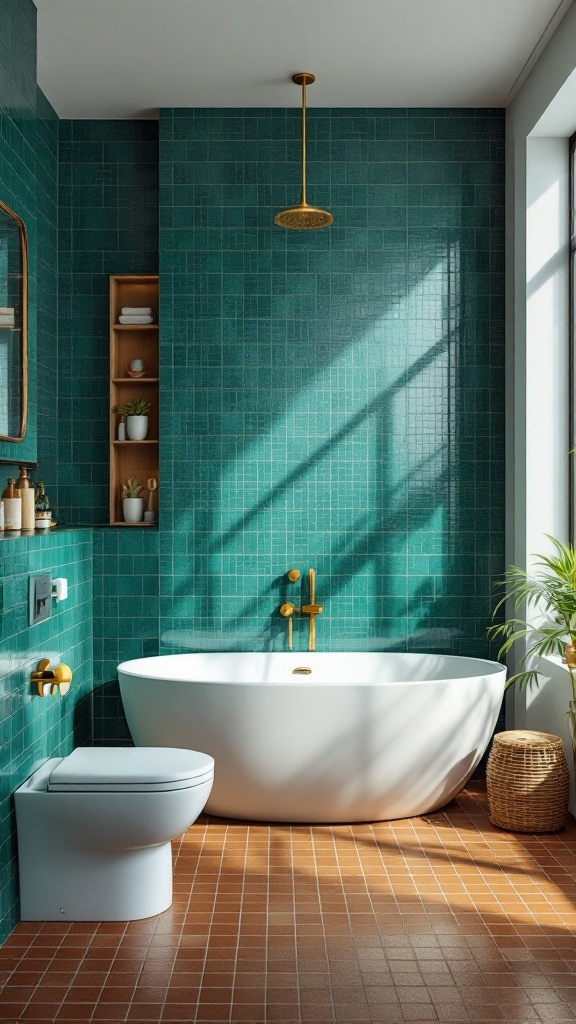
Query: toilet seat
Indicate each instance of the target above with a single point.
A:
(130, 770)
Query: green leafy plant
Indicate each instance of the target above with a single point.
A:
(121, 410)
(136, 407)
(552, 588)
(131, 489)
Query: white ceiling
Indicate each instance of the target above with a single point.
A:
(126, 58)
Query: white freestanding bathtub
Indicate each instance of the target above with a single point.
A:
(358, 737)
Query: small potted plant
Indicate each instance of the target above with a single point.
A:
(132, 505)
(136, 412)
(552, 588)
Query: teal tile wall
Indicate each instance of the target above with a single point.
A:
(334, 398)
(126, 624)
(18, 168)
(108, 224)
(47, 348)
(33, 728)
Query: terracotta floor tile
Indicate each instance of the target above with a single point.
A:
(443, 918)
(145, 1012)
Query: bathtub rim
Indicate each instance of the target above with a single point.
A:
(486, 668)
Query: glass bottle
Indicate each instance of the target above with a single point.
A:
(42, 510)
(12, 507)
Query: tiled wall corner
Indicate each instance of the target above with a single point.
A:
(18, 161)
(47, 348)
(126, 620)
(108, 224)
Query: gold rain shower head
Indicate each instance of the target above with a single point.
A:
(303, 217)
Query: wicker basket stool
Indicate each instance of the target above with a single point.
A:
(528, 780)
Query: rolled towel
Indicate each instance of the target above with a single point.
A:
(137, 311)
(9, 310)
(135, 319)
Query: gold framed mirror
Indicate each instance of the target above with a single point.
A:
(13, 325)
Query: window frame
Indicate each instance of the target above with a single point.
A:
(572, 336)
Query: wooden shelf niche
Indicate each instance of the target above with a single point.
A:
(133, 341)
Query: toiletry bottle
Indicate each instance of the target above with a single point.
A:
(26, 491)
(12, 507)
(43, 512)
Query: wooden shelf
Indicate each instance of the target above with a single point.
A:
(122, 523)
(139, 459)
(135, 327)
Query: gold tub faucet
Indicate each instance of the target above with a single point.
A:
(312, 610)
(287, 610)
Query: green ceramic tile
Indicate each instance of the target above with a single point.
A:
(314, 407)
(34, 727)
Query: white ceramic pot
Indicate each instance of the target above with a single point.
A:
(133, 509)
(136, 427)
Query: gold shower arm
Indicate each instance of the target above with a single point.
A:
(304, 78)
(303, 216)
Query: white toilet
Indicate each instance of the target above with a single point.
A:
(94, 830)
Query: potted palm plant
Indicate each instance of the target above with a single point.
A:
(132, 505)
(552, 589)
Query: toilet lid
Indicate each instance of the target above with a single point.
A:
(130, 769)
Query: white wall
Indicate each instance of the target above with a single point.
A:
(539, 123)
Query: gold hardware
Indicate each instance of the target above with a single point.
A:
(303, 670)
(312, 610)
(303, 216)
(152, 485)
(293, 575)
(287, 611)
(59, 678)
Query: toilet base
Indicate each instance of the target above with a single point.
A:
(138, 884)
(98, 856)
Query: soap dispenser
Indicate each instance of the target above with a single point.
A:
(12, 507)
(25, 490)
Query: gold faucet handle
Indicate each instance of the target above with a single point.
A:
(60, 678)
(293, 575)
(286, 610)
(312, 609)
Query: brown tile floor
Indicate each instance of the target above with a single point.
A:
(445, 919)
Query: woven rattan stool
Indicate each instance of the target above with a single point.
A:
(528, 780)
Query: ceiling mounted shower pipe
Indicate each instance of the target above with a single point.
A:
(303, 217)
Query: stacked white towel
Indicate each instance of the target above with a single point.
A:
(136, 315)
(6, 316)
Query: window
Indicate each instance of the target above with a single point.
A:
(572, 315)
